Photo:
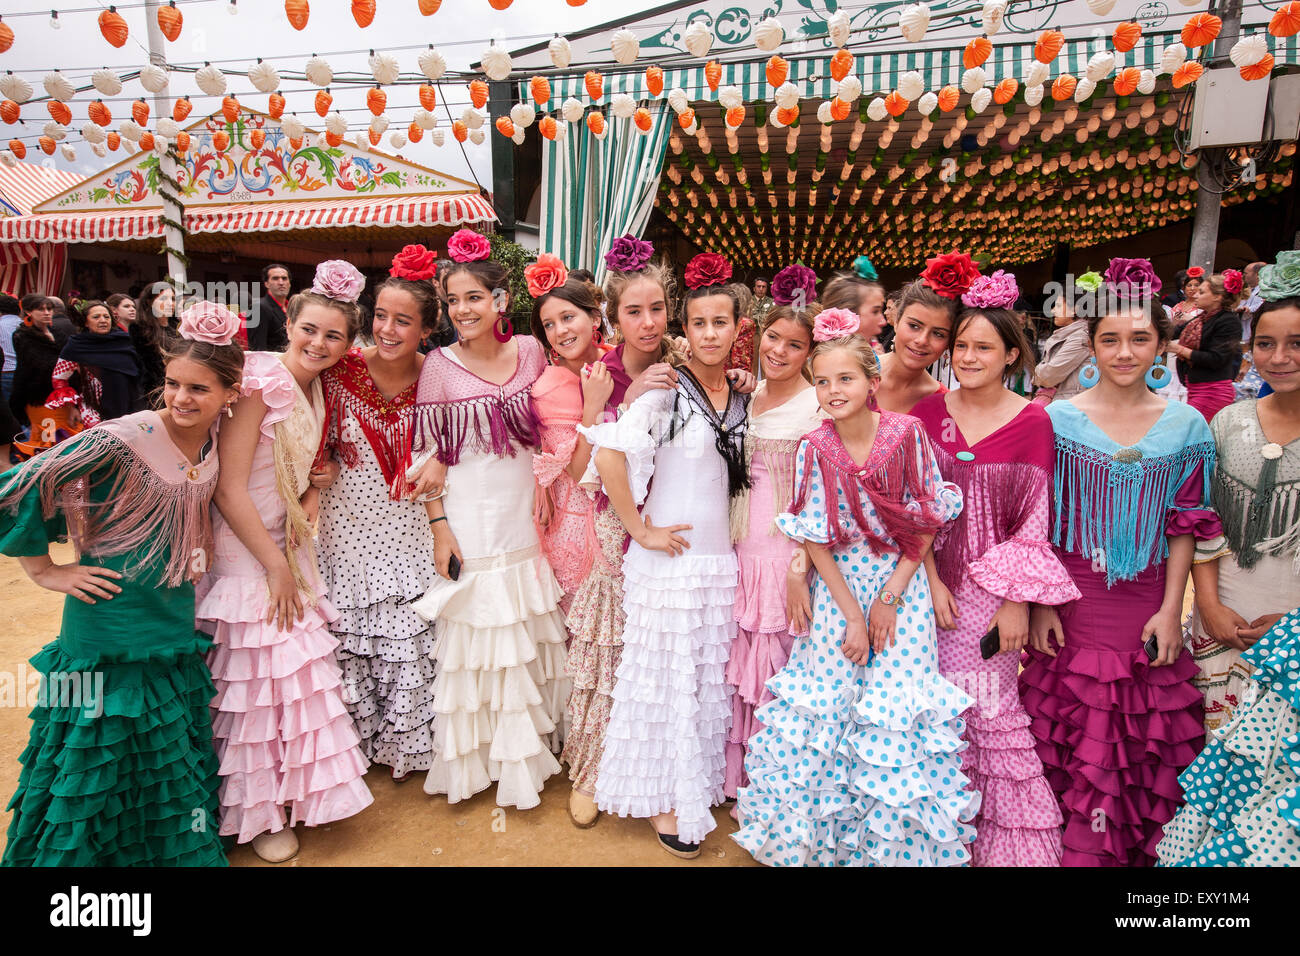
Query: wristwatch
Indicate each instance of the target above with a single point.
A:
(887, 598)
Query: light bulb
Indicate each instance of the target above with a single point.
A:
(55, 23)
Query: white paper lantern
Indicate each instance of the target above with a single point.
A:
(211, 80)
(99, 149)
(397, 140)
(130, 130)
(160, 144)
(477, 136)
(496, 62)
(1190, 3)
(927, 104)
(1101, 7)
(776, 120)
(1248, 50)
(622, 105)
(55, 131)
(824, 113)
(730, 97)
(92, 133)
(9, 159)
(15, 88)
(1147, 82)
(625, 46)
(698, 39)
(914, 21)
(153, 78)
(384, 68)
(425, 119)
(518, 136)
(689, 131)
(107, 82)
(973, 79)
(318, 71)
(849, 90)
(769, 34)
(69, 152)
(168, 127)
(431, 64)
(472, 117)
(1172, 57)
(838, 26)
(293, 127)
(992, 14)
(981, 99)
(264, 77)
(572, 110)
(57, 86)
(438, 137)
(787, 95)
(523, 115)
(911, 85)
(876, 109)
(336, 123)
(560, 51)
(677, 100)
(379, 124)
(1100, 65)
(1033, 95)
(561, 130)
(1084, 89)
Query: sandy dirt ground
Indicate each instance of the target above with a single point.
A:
(404, 826)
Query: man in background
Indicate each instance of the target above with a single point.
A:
(268, 333)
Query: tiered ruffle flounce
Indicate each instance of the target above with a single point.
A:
(500, 689)
(858, 774)
(1113, 734)
(131, 781)
(283, 735)
(1243, 791)
(666, 740)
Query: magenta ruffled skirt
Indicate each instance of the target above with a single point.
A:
(1113, 733)
(1210, 398)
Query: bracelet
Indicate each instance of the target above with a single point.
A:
(433, 521)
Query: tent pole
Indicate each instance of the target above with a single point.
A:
(1209, 199)
(173, 236)
(503, 161)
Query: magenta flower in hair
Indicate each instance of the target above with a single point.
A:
(1233, 281)
(795, 285)
(998, 291)
(466, 245)
(629, 254)
(1134, 277)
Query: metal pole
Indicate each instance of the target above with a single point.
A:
(1205, 227)
(503, 162)
(173, 237)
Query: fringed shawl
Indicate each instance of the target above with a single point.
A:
(1010, 473)
(1257, 498)
(455, 409)
(124, 487)
(728, 426)
(772, 439)
(1114, 503)
(900, 477)
(385, 423)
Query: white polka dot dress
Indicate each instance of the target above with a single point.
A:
(858, 765)
(1243, 791)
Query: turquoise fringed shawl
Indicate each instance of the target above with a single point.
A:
(1112, 504)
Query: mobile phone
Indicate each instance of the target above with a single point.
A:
(1152, 647)
(990, 644)
(453, 568)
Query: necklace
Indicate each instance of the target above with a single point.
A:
(712, 388)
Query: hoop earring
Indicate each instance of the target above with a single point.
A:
(1161, 380)
(554, 356)
(1089, 375)
(596, 336)
(504, 329)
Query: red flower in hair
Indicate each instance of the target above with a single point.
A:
(1195, 272)
(1232, 281)
(545, 275)
(414, 262)
(950, 275)
(708, 268)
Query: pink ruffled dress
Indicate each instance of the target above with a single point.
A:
(763, 636)
(283, 735)
(997, 550)
(1112, 731)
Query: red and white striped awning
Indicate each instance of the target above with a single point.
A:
(25, 185)
(114, 225)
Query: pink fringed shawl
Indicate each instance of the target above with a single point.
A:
(455, 409)
(147, 497)
(900, 479)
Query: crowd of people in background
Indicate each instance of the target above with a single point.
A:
(890, 573)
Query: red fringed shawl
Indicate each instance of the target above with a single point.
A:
(386, 423)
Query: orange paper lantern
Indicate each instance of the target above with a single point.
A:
(654, 80)
(685, 118)
(415, 132)
(1285, 22)
(1257, 71)
(428, 97)
(363, 11)
(9, 111)
(1189, 72)
(230, 108)
(505, 126)
(114, 141)
(295, 143)
(257, 137)
(113, 27)
(6, 41)
(1005, 91)
(539, 87)
(297, 11)
(1200, 29)
(18, 148)
(333, 139)
(787, 114)
(839, 109)
(1126, 80)
(976, 52)
(1126, 36)
(499, 4)
(735, 116)
(145, 142)
(373, 136)
(896, 103)
(478, 93)
(47, 145)
(429, 7)
(841, 64)
(461, 131)
(323, 101)
(547, 126)
(595, 84)
(643, 119)
(169, 21)
(713, 74)
(596, 123)
(59, 112)
(778, 71)
(183, 141)
(140, 112)
(99, 114)
(275, 106)
(181, 109)
(1048, 45)
(376, 100)
(1064, 86)
(220, 141)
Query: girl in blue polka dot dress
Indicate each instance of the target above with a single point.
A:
(858, 762)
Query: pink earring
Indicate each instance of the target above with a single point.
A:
(504, 329)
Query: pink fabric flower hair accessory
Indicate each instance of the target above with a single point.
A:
(996, 291)
(338, 279)
(545, 275)
(466, 245)
(1232, 281)
(209, 322)
(835, 324)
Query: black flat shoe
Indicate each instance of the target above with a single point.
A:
(670, 844)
